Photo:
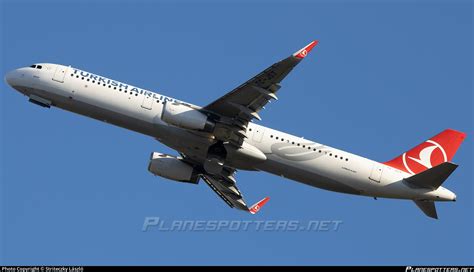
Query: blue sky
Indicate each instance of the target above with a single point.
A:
(384, 77)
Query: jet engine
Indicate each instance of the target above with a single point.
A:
(173, 168)
(183, 116)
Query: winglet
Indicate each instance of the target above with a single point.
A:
(303, 52)
(257, 206)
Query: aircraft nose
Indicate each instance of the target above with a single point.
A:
(10, 77)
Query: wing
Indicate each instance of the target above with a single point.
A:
(244, 102)
(225, 188)
(234, 111)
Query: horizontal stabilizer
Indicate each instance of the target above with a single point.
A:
(427, 207)
(432, 178)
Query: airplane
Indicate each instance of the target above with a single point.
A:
(216, 140)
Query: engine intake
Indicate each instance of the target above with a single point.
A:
(173, 168)
(183, 116)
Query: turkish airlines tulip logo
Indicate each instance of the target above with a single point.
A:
(423, 157)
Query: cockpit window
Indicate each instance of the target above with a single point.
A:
(36, 66)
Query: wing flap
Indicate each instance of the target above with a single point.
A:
(231, 195)
(219, 193)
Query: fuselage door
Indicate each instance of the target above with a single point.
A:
(147, 102)
(60, 73)
(376, 173)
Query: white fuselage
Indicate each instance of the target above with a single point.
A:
(288, 156)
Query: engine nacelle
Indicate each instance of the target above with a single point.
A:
(172, 168)
(184, 116)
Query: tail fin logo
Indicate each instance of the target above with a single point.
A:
(424, 157)
(435, 151)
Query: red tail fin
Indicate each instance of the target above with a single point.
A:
(441, 148)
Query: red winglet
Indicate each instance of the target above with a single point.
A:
(303, 52)
(257, 206)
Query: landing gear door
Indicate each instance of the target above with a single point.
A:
(60, 73)
(376, 173)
